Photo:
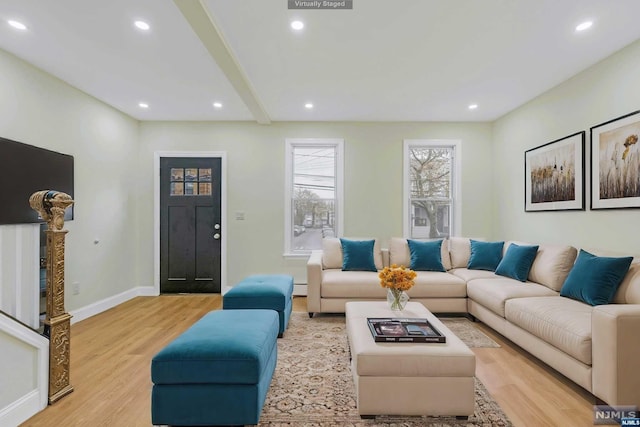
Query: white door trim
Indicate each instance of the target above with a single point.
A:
(222, 155)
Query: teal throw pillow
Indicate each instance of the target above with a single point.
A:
(485, 255)
(426, 256)
(517, 262)
(357, 255)
(594, 279)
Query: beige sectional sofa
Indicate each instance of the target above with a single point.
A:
(597, 347)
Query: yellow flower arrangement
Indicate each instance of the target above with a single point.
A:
(397, 279)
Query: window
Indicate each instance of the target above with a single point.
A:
(313, 195)
(190, 182)
(431, 189)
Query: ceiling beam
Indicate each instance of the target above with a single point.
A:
(204, 26)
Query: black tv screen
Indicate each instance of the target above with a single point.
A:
(25, 169)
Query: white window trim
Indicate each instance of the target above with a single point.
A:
(456, 178)
(290, 143)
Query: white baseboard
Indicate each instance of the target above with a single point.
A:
(22, 409)
(300, 290)
(147, 291)
(107, 303)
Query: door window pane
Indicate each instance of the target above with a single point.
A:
(204, 188)
(204, 174)
(191, 174)
(177, 174)
(198, 182)
(177, 188)
(190, 188)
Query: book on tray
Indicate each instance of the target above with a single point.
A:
(388, 329)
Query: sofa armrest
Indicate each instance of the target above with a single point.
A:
(616, 351)
(314, 281)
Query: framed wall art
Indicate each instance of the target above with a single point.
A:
(615, 163)
(554, 175)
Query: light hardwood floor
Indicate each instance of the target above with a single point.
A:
(111, 355)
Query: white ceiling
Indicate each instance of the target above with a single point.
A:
(385, 60)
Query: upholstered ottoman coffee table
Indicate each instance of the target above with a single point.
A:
(263, 291)
(408, 378)
(217, 372)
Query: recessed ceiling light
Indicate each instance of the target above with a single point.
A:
(308, 106)
(297, 25)
(217, 105)
(142, 25)
(584, 26)
(473, 106)
(17, 25)
(143, 105)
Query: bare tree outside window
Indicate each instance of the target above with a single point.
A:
(430, 191)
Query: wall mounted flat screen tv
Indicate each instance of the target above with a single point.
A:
(25, 169)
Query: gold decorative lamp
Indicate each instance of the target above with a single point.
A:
(57, 325)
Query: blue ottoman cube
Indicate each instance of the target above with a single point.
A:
(263, 291)
(217, 372)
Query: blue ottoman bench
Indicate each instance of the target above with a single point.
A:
(217, 372)
(263, 291)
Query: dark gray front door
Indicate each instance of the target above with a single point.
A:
(190, 224)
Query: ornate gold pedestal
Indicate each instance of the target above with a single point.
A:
(57, 325)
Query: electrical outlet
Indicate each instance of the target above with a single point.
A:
(76, 288)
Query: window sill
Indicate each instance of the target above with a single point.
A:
(294, 255)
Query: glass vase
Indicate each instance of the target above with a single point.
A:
(397, 299)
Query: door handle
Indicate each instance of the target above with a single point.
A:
(217, 226)
(216, 236)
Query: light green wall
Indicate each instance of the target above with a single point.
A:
(605, 91)
(255, 161)
(38, 109)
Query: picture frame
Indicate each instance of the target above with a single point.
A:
(554, 175)
(615, 163)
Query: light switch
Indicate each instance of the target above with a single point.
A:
(239, 216)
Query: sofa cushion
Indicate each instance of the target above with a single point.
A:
(459, 251)
(466, 274)
(400, 254)
(434, 284)
(552, 265)
(594, 279)
(426, 256)
(351, 284)
(517, 262)
(485, 255)
(223, 347)
(357, 255)
(561, 322)
(492, 293)
(629, 290)
(332, 253)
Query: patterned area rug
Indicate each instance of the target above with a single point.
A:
(313, 387)
(469, 334)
